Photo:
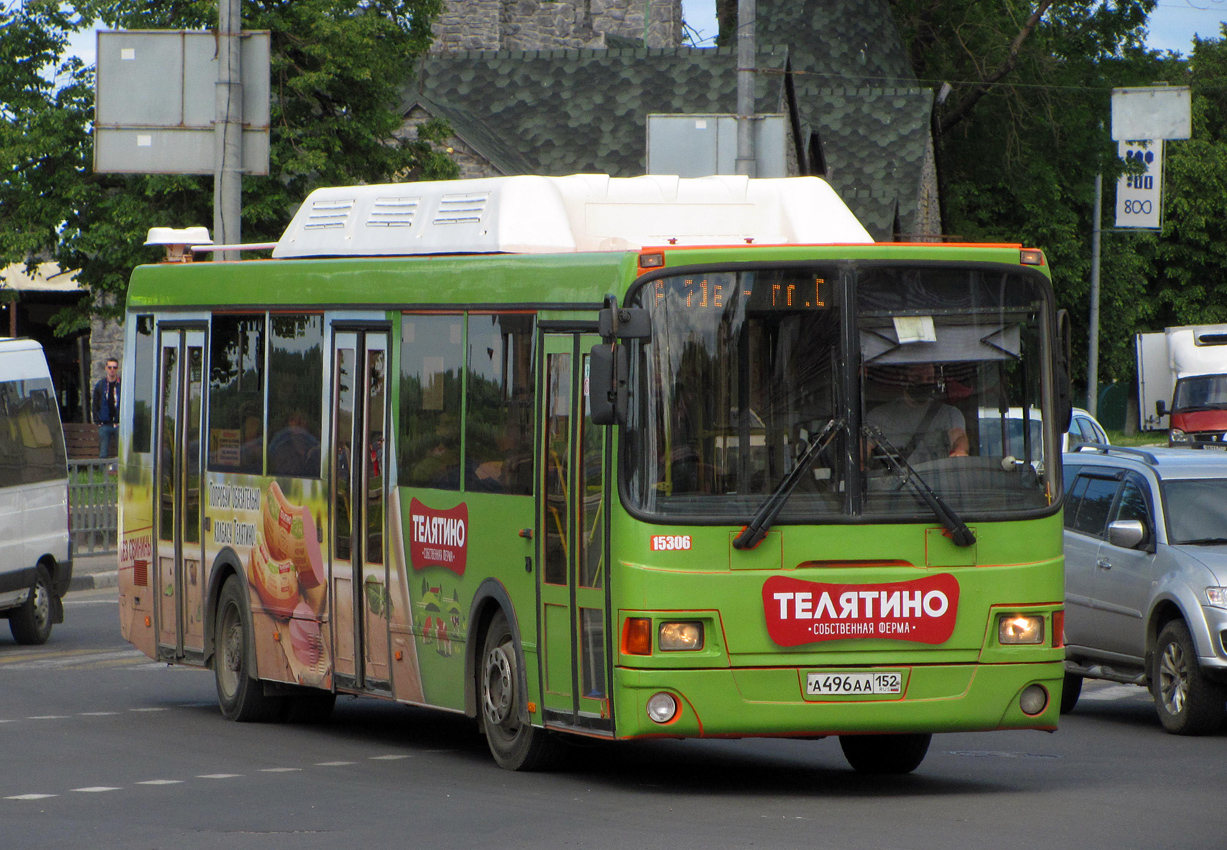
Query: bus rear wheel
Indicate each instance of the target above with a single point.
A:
(515, 745)
(885, 754)
(240, 696)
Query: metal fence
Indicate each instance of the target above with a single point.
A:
(93, 503)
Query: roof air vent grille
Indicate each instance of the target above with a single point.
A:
(462, 209)
(328, 215)
(393, 212)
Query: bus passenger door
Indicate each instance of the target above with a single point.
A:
(358, 570)
(179, 578)
(573, 618)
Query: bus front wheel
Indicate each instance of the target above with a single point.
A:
(240, 696)
(885, 754)
(514, 744)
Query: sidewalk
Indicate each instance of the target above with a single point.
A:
(90, 572)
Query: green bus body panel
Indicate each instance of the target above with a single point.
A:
(504, 280)
(742, 677)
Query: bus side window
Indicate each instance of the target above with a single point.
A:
(140, 380)
(236, 394)
(499, 413)
(432, 357)
(295, 406)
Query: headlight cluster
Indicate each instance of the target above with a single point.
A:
(673, 636)
(1020, 629)
(1217, 596)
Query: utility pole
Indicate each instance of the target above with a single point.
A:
(228, 132)
(747, 11)
(1092, 355)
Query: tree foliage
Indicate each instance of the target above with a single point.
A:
(1018, 152)
(337, 70)
(1190, 285)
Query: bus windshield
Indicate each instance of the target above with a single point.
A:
(917, 364)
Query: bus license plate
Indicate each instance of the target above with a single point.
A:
(840, 684)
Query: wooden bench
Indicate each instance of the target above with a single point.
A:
(81, 440)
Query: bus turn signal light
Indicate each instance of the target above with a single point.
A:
(637, 636)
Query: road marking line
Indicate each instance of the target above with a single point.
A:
(161, 782)
(31, 796)
(390, 758)
(98, 713)
(147, 709)
(279, 769)
(96, 789)
(48, 717)
(32, 655)
(333, 763)
(218, 775)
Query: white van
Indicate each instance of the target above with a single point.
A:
(35, 551)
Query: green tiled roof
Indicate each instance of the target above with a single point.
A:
(569, 111)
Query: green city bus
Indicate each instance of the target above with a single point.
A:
(609, 458)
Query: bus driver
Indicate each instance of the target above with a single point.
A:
(918, 424)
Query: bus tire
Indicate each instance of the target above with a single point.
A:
(885, 754)
(1071, 689)
(31, 623)
(240, 696)
(1188, 702)
(514, 745)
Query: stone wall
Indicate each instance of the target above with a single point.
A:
(554, 24)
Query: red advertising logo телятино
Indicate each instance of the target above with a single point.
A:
(438, 538)
(798, 612)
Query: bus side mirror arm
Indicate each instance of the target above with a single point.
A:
(609, 364)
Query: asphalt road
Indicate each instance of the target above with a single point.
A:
(107, 749)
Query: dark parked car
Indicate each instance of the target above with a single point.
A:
(1146, 578)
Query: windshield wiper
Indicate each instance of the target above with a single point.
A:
(1204, 541)
(756, 528)
(959, 532)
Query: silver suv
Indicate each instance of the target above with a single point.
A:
(1146, 578)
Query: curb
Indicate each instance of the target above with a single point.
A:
(94, 581)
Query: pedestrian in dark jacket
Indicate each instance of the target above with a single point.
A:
(106, 410)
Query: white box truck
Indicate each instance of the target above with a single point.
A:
(1182, 383)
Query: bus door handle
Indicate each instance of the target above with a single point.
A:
(528, 564)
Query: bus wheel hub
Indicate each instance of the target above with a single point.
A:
(498, 691)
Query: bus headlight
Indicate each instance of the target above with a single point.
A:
(680, 637)
(662, 707)
(1014, 629)
(1175, 435)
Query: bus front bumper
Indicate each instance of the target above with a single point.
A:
(770, 702)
